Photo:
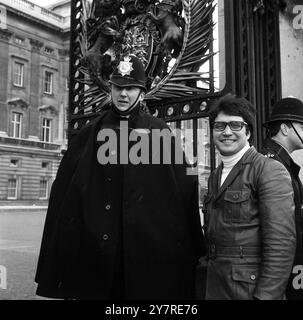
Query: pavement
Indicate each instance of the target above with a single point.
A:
(7, 209)
(20, 238)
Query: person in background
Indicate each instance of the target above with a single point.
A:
(285, 135)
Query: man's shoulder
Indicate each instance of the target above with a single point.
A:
(263, 155)
(266, 161)
(271, 165)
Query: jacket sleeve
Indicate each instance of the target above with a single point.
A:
(276, 207)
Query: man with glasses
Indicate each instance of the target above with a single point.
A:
(248, 212)
(285, 131)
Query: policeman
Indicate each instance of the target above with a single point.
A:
(285, 135)
(120, 230)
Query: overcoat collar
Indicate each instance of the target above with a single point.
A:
(282, 154)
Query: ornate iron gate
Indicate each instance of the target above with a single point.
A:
(257, 49)
(252, 65)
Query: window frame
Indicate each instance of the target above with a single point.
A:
(48, 50)
(46, 131)
(45, 196)
(15, 197)
(45, 164)
(14, 163)
(15, 123)
(18, 77)
(48, 84)
(19, 41)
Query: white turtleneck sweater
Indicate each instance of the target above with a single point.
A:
(230, 161)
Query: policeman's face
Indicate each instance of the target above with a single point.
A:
(124, 97)
(227, 141)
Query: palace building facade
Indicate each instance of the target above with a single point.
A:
(34, 79)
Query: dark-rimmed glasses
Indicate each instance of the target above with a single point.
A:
(233, 125)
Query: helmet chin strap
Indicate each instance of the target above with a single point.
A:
(297, 133)
(130, 109)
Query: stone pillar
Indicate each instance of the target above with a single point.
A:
(64, 95)
(60, 139)
(35, 87)
(4, 69)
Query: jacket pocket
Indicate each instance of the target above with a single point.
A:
(236, 208)
(244, 278)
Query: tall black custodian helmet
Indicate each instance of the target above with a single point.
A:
(130, 72)
(290, 109)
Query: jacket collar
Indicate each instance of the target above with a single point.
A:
(247, 158)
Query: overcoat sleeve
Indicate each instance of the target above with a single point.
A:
(276, 207)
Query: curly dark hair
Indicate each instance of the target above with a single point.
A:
(234, 106)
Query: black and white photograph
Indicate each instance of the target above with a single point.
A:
(151, 153)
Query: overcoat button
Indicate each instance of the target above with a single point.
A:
(253, 277)
(105, 237)
(107, 207)
(113, 152)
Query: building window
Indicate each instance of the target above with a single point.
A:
(19, 40)
(16, 125)
(12, 188)
(18, 74)
(45, 164)
(48, 82)
(43, 191)
(48, 50)
(14, 163)
(46, 130)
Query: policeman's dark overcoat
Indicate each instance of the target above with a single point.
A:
(153, 209)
